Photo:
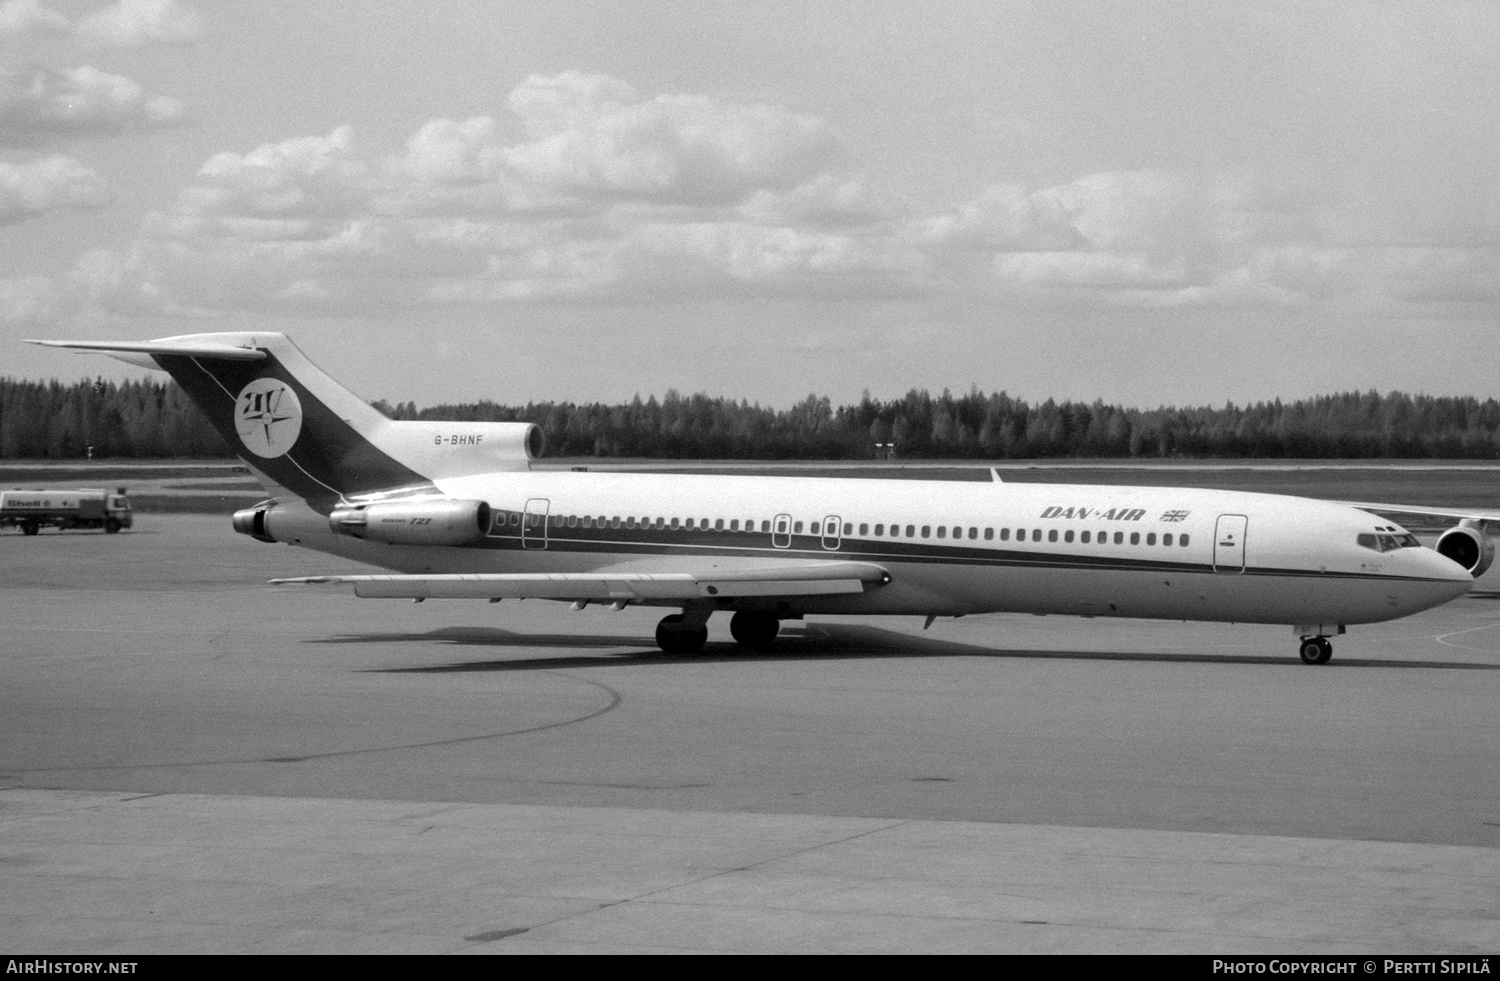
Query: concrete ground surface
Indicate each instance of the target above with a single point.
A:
(192, 761)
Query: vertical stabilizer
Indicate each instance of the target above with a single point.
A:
(284, 416)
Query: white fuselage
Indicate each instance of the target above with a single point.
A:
(1086, 550)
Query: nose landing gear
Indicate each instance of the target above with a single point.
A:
(1313, 643)
(1316, 650)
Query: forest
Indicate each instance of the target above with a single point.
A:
(150, 419)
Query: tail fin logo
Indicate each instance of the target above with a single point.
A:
(268, 417)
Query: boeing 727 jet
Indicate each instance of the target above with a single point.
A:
(454, 510)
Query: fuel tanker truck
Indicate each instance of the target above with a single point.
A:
(61, 509)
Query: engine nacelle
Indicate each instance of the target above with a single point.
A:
(1469, 546)
(430, 522)
(289, 522)
(252, 522)
(459, 449)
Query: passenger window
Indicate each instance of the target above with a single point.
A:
(1005, 534)
(1084, 537)
(927, 531)
(1119, 537)
(849, 528)
(1052, 535)
(879, 530)
(660, 522)
(1182, 542)
(973, 533)
(764, 525)
(942, 532)
(1036, 534)
(1135, 538)
(1167, 538)
(989, 534)
(1068, 536)
(1020, 534)
(614, 522)
(864, 530)
(1151, 538)
(673, 524)
(797, 527)
(688, 524)
(911, 531)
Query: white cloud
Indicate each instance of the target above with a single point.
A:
(592, 135)
(297, 190)
(21, 16)
(588, 191)
(132, 23)
(38, 104)
(29, 301)
(28, 190)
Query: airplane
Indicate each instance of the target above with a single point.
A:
(454, 510)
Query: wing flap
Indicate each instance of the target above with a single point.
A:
(826, 579)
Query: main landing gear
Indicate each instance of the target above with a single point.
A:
(1316, 650)
(674, 635)
(686, 633)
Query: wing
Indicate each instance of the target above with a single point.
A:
(1485, 515)
(823, 579)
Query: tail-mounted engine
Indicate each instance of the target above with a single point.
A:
(459, 449)
(253, 522)
(430, 522)
(1469, 546)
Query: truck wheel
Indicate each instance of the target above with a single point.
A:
(111, 525)
(30, 528)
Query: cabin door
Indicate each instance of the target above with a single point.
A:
(781, 531)
(534, 523)
(1229, 543)
(832, 538)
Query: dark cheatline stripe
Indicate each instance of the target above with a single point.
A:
(920, 554)
(330, 457)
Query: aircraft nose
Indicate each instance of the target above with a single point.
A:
(1455, 580)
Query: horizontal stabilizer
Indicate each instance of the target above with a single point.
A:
(168, 346)
(827, 579)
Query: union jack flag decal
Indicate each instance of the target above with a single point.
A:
(1175, 515)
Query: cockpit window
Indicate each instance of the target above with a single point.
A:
(1388, 543)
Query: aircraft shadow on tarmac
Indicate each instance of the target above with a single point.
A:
(818, 642)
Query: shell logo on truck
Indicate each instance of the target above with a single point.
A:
(33, 510)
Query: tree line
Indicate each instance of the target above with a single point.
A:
(147, 418)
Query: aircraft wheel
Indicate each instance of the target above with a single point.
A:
(111, 526)
(1316, 650)
(673, 638)
(30, 528)
(752, 629)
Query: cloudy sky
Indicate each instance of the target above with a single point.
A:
(1145, 201)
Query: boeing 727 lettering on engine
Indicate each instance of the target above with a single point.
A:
(455, 511)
